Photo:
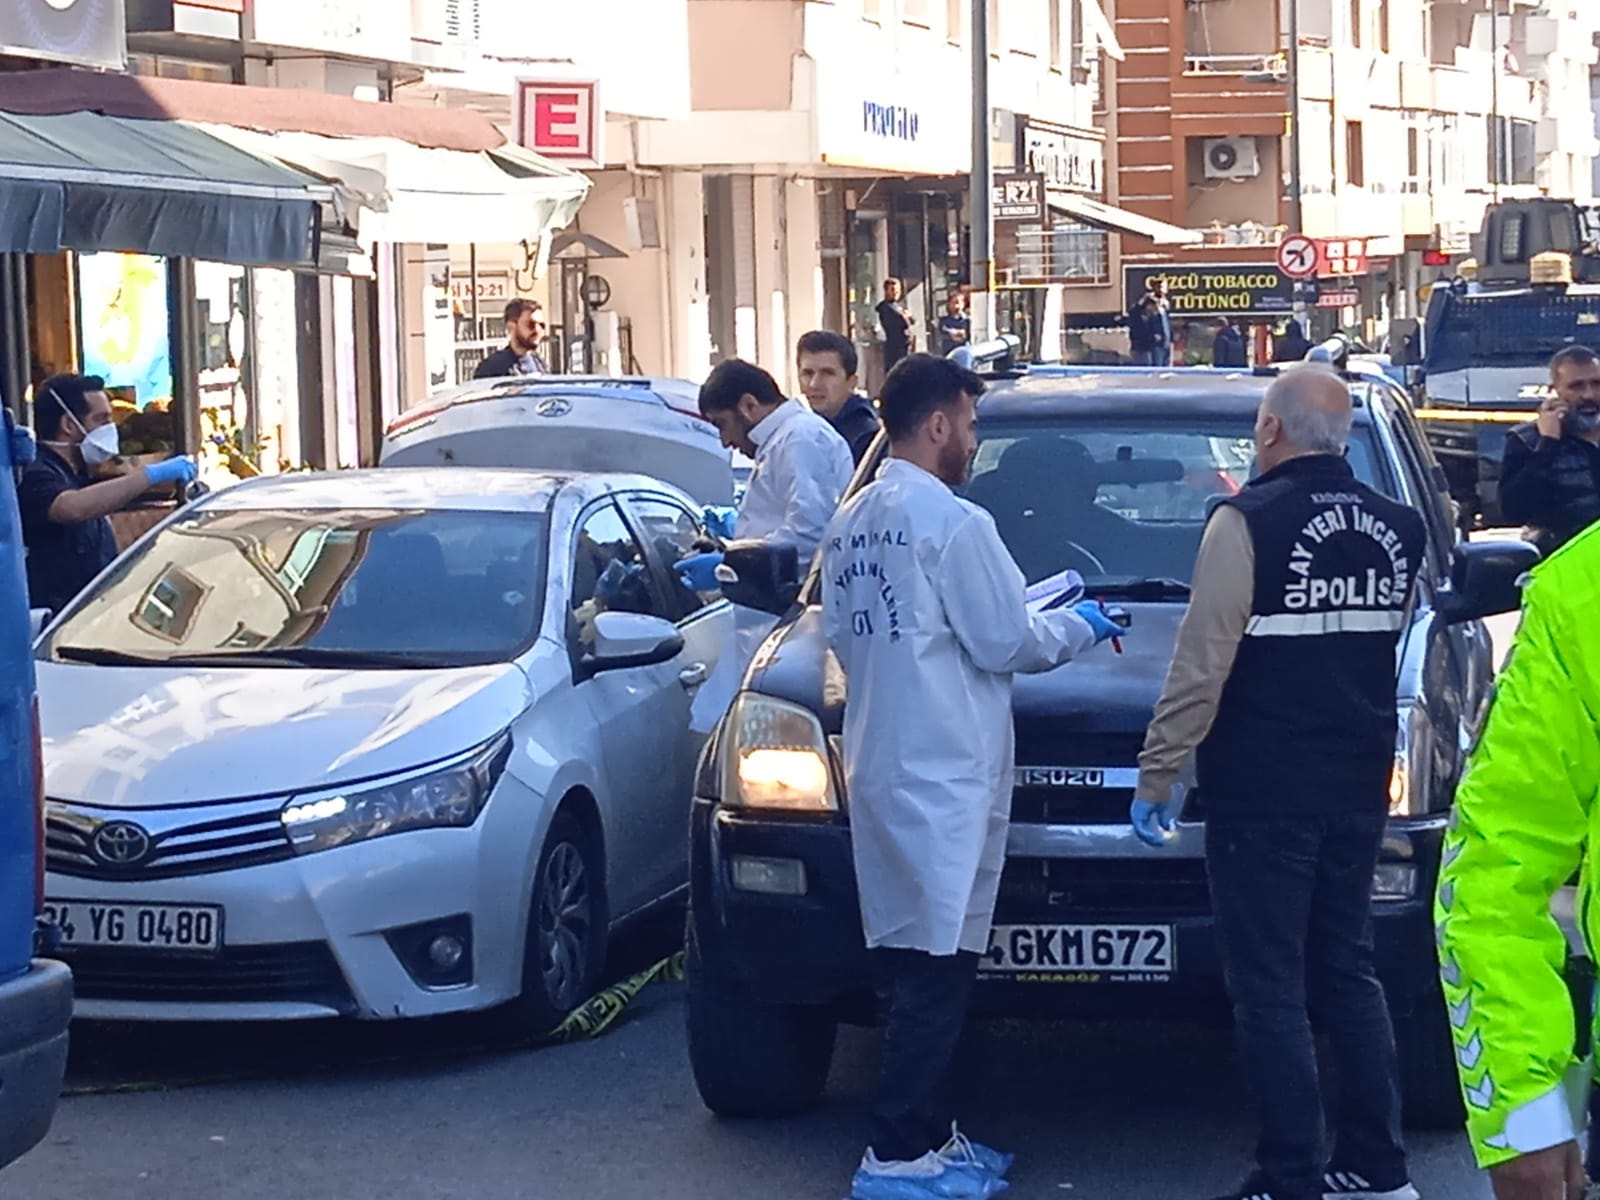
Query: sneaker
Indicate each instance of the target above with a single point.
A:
(961, 1149)
(1256, 1188)
(927, 1178)
(1352, 1185)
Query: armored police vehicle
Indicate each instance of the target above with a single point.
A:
(1112, 474)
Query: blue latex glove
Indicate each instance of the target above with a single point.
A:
(173, 470)
(1104, 627)
(720, 522)
(1149, 820)
(699, 572)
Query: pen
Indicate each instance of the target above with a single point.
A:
(1116, 642)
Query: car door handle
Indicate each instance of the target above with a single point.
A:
(694, 675)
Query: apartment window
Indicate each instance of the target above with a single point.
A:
(1355, 159)
(1055, 33)
(915, 12)
(1511, 151)
(1355, 23)
(1383, 25)
(1075, 55)
(993, 25)
(955, 18)
(872, 10)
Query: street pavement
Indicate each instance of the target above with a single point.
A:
(332, 1111)
(338, 1112)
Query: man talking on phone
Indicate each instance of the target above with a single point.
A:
(1550, 476)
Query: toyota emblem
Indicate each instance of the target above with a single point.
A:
(555, 406)
(120, 844)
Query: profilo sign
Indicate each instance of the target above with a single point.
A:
(90, 33)
(1216, 290)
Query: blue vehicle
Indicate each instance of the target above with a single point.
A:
(35, 993)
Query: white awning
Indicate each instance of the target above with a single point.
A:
(394, 191)
(1108, 216)
(1099, 27)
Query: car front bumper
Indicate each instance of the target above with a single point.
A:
(35, 1008)
(809, 949)
(326, 934)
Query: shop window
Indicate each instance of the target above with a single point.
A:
(1355, 160)
(1063, 253)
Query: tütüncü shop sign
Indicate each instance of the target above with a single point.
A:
(1216, 290)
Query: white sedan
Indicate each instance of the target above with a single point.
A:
(389, 743)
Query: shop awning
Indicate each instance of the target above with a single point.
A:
(84, 181)
(401, 192)
(1107, 216)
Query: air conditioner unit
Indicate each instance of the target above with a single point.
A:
(1232, 158)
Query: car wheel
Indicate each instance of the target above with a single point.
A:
(565, 948)
(1429, 1086)
(752, 1059)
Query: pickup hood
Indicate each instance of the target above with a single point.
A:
(132, 737)
(1102, 692)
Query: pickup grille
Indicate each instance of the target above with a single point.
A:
(1107, 887)
(1069, 801)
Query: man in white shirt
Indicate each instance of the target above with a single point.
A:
(802, 467)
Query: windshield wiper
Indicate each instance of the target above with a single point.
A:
(106, 658)
(1137, 588)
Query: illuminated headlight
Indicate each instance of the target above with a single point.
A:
(775, 756)
(1409, 794)
(450, 795)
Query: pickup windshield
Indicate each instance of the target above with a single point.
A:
(320, 587)
(1123, 502)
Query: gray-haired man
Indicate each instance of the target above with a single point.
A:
(1283, 682)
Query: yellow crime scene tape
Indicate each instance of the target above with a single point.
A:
(1497, 416)
(589, 1020)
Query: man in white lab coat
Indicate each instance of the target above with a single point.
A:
(802, 467)
(925, 609)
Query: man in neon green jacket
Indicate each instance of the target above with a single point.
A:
(1525, 816)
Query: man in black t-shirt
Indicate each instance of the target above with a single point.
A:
(520, 354)
(896, 324)
(64, 511)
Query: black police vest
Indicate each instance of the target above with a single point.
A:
(1306, 723)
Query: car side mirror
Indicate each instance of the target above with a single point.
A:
(1486, 580)
(755, 574)
(38, 618)
(623, 639)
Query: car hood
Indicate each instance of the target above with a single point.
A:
(129, 737)
(1100, 692)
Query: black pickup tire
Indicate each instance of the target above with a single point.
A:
(752, 1059)
(1430, 1089)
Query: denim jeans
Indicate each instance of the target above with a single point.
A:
(923, 1006)
(1293, 903)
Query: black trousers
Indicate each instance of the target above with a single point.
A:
(1293, 903)
(922, 1002)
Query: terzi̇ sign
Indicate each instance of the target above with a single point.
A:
(1214, 290)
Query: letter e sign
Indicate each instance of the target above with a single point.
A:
(562, 120)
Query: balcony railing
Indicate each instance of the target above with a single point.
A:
(1261, 67)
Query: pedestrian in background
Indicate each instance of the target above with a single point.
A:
(1229, 348)
(1550, 474)
(830, 382)
(520, 354)
(1524, 821)
(896, 324)
(955, 327)
(1293, 345)
(925, 610)
(65, 525)
(802, 467)
(1282, 684)
(1147, 333)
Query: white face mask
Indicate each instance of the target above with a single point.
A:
(102, 445)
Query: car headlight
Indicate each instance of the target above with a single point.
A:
(774, 755)
(1410, 790)
(443, 796)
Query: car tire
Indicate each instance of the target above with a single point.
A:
(1430, 1089)
(752, 1059)
(565, 940)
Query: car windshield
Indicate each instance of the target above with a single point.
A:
(1119, 501)
(318, 587)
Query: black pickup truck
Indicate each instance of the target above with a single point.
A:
(1112, 474)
